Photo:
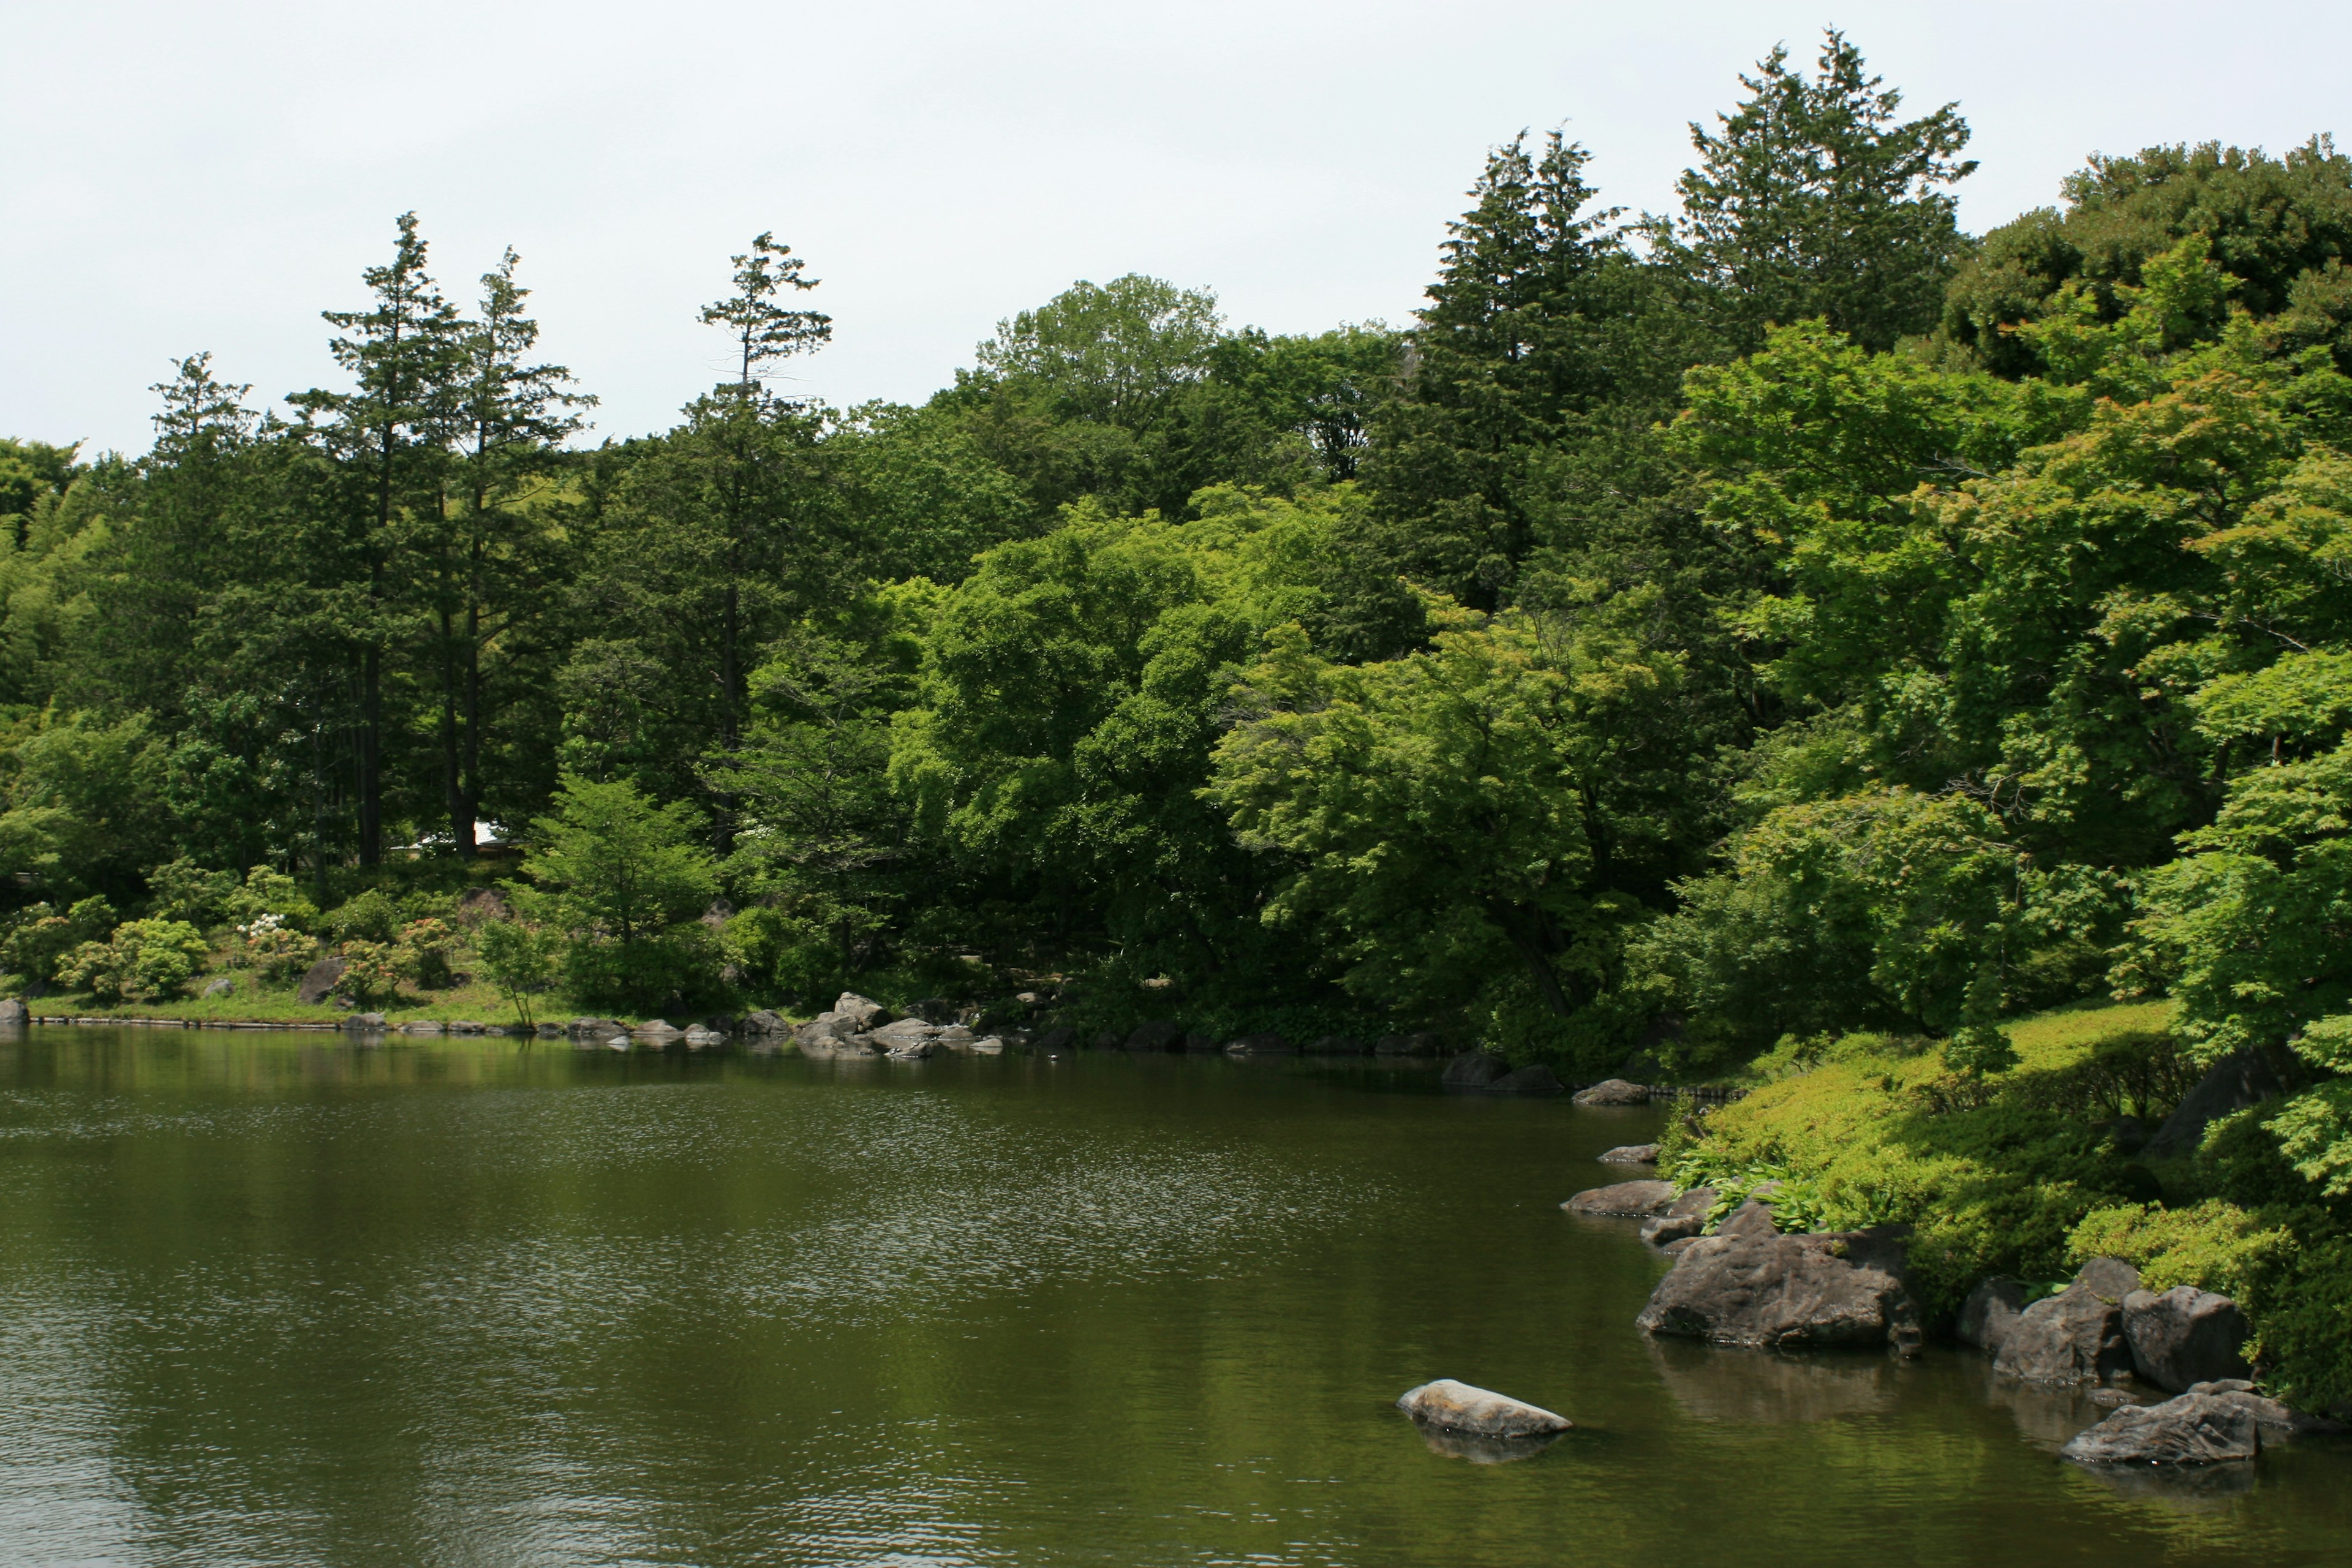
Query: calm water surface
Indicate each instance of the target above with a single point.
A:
(270, 1299)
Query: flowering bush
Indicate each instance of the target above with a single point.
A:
(422, 952)
(371, 973)
(271, 948)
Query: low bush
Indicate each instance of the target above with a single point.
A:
(2214, 1245)
(1996, 1172)
(143, 961)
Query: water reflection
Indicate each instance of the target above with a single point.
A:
(1485, 1450)
(1762, 1388)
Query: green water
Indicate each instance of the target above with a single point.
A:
(279, 1300)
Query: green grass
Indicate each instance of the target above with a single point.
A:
(277, 1005)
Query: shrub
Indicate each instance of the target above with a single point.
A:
(2303, 1336)
(370, 916)
(183, 890)
(519, 959)
(41, 938)
(270, 892)
(271, 948)
(144, 960)
(371, 973)
(2214, 1245)
(422, 953)
(1995, 1174)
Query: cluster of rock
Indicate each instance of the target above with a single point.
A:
(2102, 1325)
(858, 1025)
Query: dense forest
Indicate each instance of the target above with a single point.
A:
(1784, 616)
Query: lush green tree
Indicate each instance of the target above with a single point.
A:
(625, 880)
(2278, 229)
(1812, 199)
(521, 961)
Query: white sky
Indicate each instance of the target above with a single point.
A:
(210, 175)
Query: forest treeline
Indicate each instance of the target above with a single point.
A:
(1785, 614)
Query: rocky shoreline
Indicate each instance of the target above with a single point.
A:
(1742, 1283)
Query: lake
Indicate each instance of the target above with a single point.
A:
(278, 1298)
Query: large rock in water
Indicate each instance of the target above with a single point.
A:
(1626, 1200)
(1480, 1411)
(863, 1012)
(13, 1011)
(1989, 1313)
(2185, 1336)
(2237, 1081)
(2077, 1335)
(2207, 1426)
(1614, 1091)
(1753, 1287)
(1533, 1078)
(1684, 1218)
(320, 980)
(1631, 1155)
(1474, 1070)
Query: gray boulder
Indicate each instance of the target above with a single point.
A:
(651, 1029)
(2193, 1428)
(596, 1029)
(1614, 1091)
(224, 987)
(2185, 1336)
(863, 1012)
(1623, 1200)
(1474, 1070)
(1631, 1155)
(2237, 1081)
(364, 1021)
(14, 1012)
(827, 1029)
(1684, 1218)
(1753, 1287)
(1269, 1044)
(1453, 1406)
(2076, 1336)
(904, 1034)
(1159, 1034)
(1989, 1313)
(700, 1037)
(319, 980)
(422, 1026)
(765, 1022)
(1533, 1078)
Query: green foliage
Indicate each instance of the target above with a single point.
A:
(2214, 1245)
(143, 961)
(423, 951)
(1813, 200)
(624, 879)
(371, 915)
(183, 890)
(1995, 1174)
(2305, 1334)
(521, 961)
(39, 938)
(372, 973)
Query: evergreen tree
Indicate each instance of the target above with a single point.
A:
(389, 436)
(1812, 199)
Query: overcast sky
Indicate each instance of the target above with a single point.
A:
(211, 175)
